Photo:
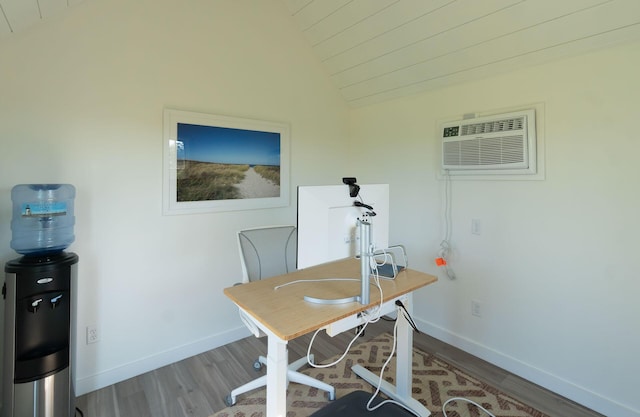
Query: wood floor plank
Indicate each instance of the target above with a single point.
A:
(128, 388)
(195, 403)
(135, 404)
(155, 393)
(102, 402)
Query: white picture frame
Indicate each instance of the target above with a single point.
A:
(215, 163)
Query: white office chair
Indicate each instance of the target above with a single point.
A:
(267, 252)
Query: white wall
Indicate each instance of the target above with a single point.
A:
(556, 265)
(81, 102)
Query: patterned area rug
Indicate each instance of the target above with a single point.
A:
(434, 382)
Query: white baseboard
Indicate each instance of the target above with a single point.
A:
(538, 376)
(158, 360)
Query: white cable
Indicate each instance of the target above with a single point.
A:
(375, 316)
(375, 394)
(467, 400)
(447, 213)
(393, 349)
(376, 279)
(277, 287)
(328, 365)
(386, 257)
(445, 245)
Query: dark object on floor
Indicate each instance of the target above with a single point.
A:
(354, 404)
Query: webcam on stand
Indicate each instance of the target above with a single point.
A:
(354, 188)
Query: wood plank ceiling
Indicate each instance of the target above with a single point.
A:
(18, 15)
(376, 50)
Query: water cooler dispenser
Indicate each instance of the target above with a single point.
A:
(39, 294)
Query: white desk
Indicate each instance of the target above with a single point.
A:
(283, 315)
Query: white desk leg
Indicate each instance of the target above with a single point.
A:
(401, 392)
(277, 363)
(404, 354)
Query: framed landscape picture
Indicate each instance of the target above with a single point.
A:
(219, 163)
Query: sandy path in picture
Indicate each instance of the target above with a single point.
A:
(255, 186)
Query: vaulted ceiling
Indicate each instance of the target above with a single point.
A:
(376, 50)
(19, 15)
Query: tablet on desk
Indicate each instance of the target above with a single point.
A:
(389, 270)
(390, 261)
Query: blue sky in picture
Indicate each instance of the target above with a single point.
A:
(228, 146)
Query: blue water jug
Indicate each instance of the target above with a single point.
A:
(43, 218)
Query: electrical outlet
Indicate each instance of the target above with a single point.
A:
(92, 334)
(475, 227)
(476, 308)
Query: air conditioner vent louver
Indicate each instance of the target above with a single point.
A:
(492, 151)
(491, 127)
(490, 145)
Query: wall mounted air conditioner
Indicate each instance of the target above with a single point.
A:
(499, 144)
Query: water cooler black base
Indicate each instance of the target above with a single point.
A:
(39, 336)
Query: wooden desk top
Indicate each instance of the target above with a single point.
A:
(285, 312)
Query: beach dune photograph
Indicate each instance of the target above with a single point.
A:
(220, 163)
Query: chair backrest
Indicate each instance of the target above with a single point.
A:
(267, 251)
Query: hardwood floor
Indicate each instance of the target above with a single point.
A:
(196, 386)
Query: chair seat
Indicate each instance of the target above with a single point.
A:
(354, 404)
